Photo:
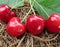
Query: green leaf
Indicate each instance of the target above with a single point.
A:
(12, 3)
(47, 7)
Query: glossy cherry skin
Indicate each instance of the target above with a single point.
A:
(53, 23)
(35, 24)
(15, 28)
(6, 6)
(6, 14)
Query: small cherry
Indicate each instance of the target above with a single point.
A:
(53, 23)
(6, 13)
(5, 6)
(35, 24)
(15, 28)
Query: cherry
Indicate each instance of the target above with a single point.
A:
(35, 24)
(5, 6)
(6, 14)
(15, 28)
(53, 23)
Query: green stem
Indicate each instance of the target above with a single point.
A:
(32, 7)
(16, 5)
(29, 11)
(26, 15)
(42, 8)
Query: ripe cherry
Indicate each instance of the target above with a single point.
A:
(15, 28)
(6, 14)
(5, 6)
(35, 24)
(53, 23)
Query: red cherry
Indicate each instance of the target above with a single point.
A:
(53, 23)
(35, 24)
(6, 14)
(15, 28)
(6, 6)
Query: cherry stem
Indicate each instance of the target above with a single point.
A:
(31, 4)
(26, 15)
(29, 11)
(42, 8)
(16, 5)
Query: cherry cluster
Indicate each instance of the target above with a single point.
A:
(35, 24)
